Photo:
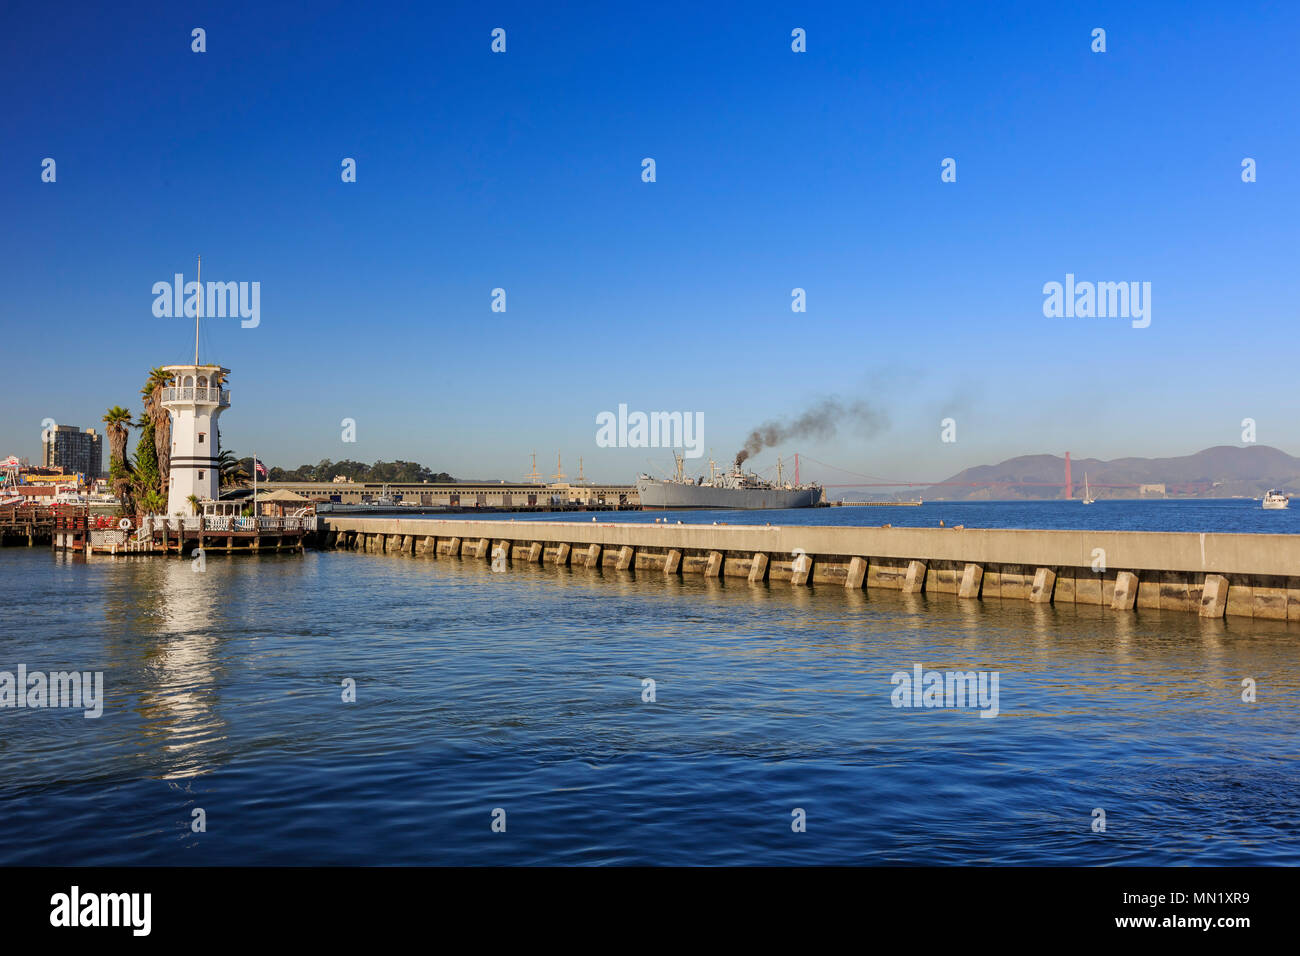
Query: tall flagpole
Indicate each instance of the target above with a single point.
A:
(198, 310)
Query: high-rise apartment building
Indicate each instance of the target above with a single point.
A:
(75, 450)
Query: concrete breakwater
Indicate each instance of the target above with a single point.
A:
(1247, 575)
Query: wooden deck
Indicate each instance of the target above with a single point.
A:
(158, 535)
(27, 524)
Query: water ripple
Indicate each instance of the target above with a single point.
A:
(477, 691)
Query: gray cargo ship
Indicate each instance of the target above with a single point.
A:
(741, 491)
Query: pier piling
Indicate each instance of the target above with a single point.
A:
(971, 576)
(1044, 584)
(1126, 588)
(1214, 596)
(857, 572)
(713, 566)
(914, 582)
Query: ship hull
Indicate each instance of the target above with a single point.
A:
(670, 496)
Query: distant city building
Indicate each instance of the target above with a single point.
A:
(73, 450)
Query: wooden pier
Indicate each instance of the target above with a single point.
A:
(160, 535)
(27, 524)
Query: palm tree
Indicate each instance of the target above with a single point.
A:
(231, 471)
(118, 420)
(151, 394)
(146, 480)
(194, 503)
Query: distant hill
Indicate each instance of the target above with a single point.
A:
(1224, 471)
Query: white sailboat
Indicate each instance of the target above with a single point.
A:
(1087, 492)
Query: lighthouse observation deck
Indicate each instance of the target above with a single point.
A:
(197, 394)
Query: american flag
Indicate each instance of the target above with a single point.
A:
(259, 468)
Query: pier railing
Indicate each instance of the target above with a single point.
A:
(157, 524)
(177, 534)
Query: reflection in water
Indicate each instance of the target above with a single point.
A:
(168, 622)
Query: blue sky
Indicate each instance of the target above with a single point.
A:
(775, 170)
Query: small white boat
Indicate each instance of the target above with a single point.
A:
(1087, 493)
(1275, 500)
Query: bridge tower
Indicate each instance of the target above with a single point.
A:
(1069, 482)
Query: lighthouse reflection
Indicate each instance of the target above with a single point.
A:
(178, 699)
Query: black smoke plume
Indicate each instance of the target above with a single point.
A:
(820, 421)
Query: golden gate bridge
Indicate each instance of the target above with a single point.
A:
(875, 481)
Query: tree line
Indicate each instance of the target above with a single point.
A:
(394, 472)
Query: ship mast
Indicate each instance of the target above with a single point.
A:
(533, 476)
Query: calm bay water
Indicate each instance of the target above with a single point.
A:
(1222, 515)
(523, 691)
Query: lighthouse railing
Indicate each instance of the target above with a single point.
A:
(211, 395)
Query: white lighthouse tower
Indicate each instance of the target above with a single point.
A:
(195, 399)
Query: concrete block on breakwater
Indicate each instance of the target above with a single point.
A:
(1247, 575)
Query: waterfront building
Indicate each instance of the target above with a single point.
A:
(463, 495)
(75, 450)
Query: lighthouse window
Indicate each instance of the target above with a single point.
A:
(200, 476)
(202, 437)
